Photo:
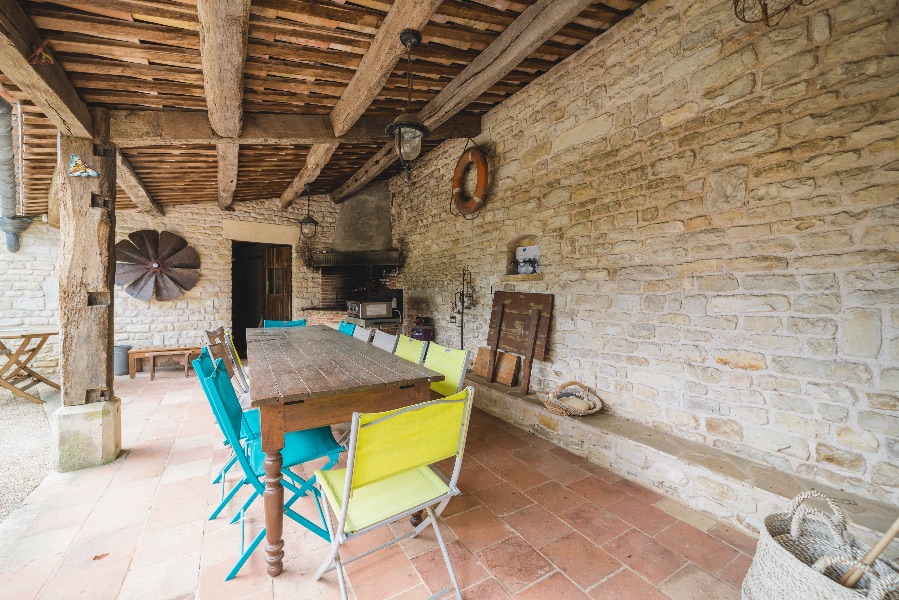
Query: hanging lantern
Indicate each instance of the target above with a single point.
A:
(408, 130)
(308, 224)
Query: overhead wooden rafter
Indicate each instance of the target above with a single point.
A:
(373, 72)
(47, 86)
(529, 31)
(139, 128)
(145, 55)
(228, 153)
(224, 25)
(134, 187)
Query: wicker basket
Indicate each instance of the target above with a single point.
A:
(803, 553)
(571, 388)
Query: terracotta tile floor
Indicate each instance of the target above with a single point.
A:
(535, 522)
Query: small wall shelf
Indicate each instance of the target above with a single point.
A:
(515, 278)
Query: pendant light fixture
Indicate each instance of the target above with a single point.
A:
(407, 130)
(308, 225)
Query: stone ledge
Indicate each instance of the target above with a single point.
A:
(709, 480)
(521, 277)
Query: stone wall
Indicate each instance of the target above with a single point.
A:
(29, 280)
(716, 205)
(208, 304)
(29, 287)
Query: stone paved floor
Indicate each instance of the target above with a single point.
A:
(534, 522)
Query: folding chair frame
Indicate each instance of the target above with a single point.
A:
(339, 536)
(243, 457)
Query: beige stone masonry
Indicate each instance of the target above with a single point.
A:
(716, 205)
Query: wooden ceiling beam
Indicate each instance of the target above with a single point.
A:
(46, 85)
(377, 64)
(141, 128)
(372, 74)
(223, 48)
(134, 187)
(539, 22)
(227, 152)
(224, 26)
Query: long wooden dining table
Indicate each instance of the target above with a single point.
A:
(305, 377)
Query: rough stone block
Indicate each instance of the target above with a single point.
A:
(860, 332)
(87, 435)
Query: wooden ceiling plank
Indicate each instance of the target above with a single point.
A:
(529, 31)
(46, 85)
(134, 187)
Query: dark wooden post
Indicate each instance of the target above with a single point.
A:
(87, 266)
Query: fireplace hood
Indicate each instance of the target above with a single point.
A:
(363, 235)
(379, 258)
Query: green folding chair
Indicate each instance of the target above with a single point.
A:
(451, 364)
(389, 476)
(411, 349)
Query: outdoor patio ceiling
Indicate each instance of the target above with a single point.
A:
(337, 60)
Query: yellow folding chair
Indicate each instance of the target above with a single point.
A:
(451, 364)
(389, 476)
(411, 349)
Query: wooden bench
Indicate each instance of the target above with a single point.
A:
(182, 354)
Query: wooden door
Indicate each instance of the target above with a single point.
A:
(278, 289)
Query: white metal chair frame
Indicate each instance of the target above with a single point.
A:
(339, 536)
(362, 334)
(385, 341)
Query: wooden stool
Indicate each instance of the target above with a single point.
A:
(182, 356)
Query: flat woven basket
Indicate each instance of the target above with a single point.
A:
(572, 388)
(803, 553)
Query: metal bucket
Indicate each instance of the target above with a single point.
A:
(120, 359)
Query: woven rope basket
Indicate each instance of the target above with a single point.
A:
(572, 388)
(803, 553)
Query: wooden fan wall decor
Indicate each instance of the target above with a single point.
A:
(157, 261)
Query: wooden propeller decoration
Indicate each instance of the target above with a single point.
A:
(156, 260)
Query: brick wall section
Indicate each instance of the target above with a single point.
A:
(208, 304)
(716, 205)
(29, 287)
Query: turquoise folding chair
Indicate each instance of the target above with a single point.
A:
(299, 447)
(389, 476)
(269, 324)
(249, 429)
(451, 364)
(346, 328)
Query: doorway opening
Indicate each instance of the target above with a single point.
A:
(261, 276)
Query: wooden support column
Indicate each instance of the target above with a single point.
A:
(87, 266)
(227, 174)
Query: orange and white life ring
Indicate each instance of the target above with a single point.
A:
(473, 156)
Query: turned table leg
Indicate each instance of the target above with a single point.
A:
(274, 513)
(272, 421)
